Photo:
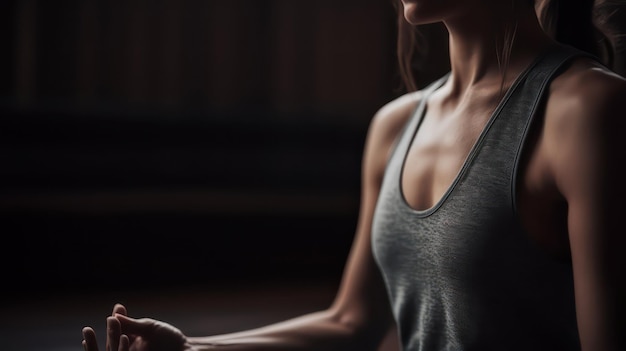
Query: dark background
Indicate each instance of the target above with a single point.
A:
(156, 144)
(197, 160)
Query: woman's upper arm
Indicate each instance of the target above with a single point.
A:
(588, 156)
(362, 298)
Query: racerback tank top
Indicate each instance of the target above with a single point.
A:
(464, 275)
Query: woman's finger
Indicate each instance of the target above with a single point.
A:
(114, 331)
(119, 308)
(89, 339)
(132, 326)
(124, 343)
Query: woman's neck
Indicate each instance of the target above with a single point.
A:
(495, 48)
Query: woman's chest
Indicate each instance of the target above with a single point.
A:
(442, 155)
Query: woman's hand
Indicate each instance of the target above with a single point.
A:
(130, 334)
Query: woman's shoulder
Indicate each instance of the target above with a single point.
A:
(586, 94)
(587, 87)
(390, 119)
(585, 113)
(385, 128)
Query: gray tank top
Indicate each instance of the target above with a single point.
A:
(463, 275)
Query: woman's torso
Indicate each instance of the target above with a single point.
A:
(473, 255)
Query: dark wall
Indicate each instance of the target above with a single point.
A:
(274, 54)
(157, 143)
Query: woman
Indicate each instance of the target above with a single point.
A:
(478, 229)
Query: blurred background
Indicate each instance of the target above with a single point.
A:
(189, 141)
(197, 160)
(184, 155)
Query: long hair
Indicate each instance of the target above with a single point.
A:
(579, 23)
(409, 42)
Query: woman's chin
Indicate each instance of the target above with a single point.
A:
(415, 15)
(410, 13)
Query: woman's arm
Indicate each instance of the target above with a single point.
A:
(360, 315)
(587, 129)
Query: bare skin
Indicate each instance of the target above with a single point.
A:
(570, 191)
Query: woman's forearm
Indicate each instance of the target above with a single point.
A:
(316, 331)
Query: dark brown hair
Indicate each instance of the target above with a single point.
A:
(406, 47)
(579, 23)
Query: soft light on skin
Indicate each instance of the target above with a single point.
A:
(540, 6)
(418, 12)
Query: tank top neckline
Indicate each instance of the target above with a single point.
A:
(419, 116)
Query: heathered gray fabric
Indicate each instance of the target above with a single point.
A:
(464, 275)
